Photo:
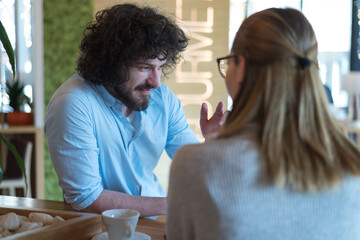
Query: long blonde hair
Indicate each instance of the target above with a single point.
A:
(282, 95)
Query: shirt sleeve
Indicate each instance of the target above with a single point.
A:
(73, 148)
(179, 132)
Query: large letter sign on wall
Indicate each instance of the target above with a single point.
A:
(197, 79)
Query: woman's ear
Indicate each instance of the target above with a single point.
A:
(240, 71)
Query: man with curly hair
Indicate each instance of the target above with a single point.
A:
(108, 125)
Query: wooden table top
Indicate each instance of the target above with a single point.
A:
(155, 229)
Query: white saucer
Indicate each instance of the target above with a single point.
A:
(137, 236)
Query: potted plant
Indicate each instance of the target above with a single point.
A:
(17, 98)
(10, 52)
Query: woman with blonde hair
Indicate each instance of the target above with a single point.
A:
(280, 168)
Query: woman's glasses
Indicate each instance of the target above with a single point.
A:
(223, 64)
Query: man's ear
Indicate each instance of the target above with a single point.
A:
(241, 69)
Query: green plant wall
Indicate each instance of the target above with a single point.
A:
(64, 23)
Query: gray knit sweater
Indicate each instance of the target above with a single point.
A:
(214, 194)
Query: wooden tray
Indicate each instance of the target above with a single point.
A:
(78, 225)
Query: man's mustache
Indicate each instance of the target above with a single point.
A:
(144, 87)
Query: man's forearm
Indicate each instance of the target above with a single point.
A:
(147, 206)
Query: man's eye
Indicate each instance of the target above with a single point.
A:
(144, 68)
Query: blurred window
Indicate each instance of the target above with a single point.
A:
(331, 20)
(16, 17)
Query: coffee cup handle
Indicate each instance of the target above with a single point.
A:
(128, 230)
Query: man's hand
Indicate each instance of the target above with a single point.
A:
(211, 127)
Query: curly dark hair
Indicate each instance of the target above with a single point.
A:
(123, 34)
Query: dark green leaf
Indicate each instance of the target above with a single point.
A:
(18, 158)
(8, 48)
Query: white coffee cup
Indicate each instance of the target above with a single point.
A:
(120, 223)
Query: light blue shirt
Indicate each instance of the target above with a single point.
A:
(93, 146)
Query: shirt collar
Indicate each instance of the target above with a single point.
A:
(109, 99)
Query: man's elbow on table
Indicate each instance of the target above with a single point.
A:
(147, 206)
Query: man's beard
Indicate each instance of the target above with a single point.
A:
(132, 103)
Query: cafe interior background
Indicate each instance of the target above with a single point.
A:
(46, 35)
